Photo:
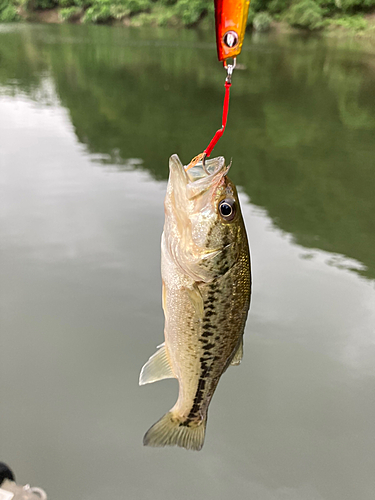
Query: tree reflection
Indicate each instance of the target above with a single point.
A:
(300, 131)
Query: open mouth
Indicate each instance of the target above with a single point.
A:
(210, 168)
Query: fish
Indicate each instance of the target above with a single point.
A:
(206, 276)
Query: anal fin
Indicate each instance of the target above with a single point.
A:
(157, 367)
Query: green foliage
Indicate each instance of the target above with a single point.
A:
(305, 14)
(83, 3)
(41, 4)
(119, 11)
(99, 13)
(262, 21)
(66, 3)
(8, 12)
(103, 11)
(135, 6)
(70, 13)
(354, 23)
(328, 7)
(160, 15)
(277, 6)
(251, 15)
(191, 11)
(354, 5)
(259, 5)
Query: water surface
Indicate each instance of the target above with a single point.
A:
(88, 119)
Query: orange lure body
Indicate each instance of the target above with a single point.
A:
(230, 20)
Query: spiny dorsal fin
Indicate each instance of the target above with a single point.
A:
(157, 367)
(237, 358)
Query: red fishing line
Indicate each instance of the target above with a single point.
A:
(220, 132)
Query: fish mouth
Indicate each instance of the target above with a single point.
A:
(198, 178)
(208, 169)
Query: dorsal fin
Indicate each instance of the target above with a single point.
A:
(157, 367)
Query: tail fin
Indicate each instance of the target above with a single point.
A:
(171, 431)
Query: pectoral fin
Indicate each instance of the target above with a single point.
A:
(157, 367)
(196, 299)
(237, 358)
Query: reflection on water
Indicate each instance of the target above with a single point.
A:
(88, 119)
(301, 127)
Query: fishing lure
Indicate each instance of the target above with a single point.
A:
(230, 21)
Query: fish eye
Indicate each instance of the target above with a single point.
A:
(227, 209)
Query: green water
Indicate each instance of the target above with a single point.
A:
(88, 119)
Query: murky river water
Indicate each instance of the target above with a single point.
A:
(88, 119)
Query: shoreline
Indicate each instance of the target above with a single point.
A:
(53, 16)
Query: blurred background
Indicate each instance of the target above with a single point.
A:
(89, 116)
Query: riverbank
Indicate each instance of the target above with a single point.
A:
(360, 28)
(330, 17)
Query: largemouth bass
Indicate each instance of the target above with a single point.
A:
(206, 296)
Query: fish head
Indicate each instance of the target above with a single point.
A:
(204, 229)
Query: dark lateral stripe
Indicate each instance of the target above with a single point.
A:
(198, 397)
(206, 360)
(207, 347)
(207, 334)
